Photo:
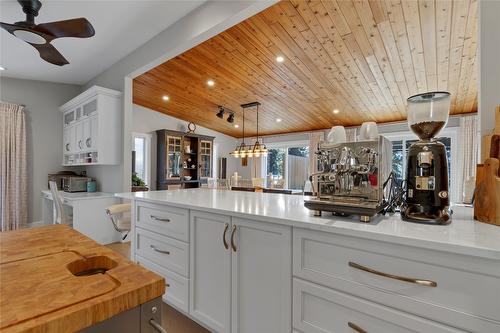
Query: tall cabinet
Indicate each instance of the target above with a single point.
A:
(184, 159)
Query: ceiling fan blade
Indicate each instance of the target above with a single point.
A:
(50, 54)
(9, 27)
(78, 27)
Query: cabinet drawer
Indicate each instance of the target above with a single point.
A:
(318, 309)
(166, 220)
(164, 251)
(465, 285)
(177, 287)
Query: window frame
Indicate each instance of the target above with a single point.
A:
(147, 154)
(450, 132)
(286, 145)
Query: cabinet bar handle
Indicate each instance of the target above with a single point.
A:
(159, 219)
(356, 328)
(224, 241)
(233, 246)
(156, 326)
(427, 283)
(158, 250)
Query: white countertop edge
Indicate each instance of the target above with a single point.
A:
(81, 195)
(463, 249)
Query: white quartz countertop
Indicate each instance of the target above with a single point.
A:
(463, 235)
(80, 195)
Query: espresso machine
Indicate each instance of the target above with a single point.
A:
(427, 196)
(351, 178)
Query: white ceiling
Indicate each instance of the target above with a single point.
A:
(121, 26)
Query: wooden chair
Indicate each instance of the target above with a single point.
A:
(223, 184)
(258, 182)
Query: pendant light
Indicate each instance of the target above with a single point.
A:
(255, 150)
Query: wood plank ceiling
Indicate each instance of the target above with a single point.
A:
(362, 57)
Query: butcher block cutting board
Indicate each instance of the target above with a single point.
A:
(54, 279)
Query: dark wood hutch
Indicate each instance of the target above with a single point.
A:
(183, 159)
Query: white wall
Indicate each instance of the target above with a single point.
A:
(44, 130)
(489, 67)
(145, 120)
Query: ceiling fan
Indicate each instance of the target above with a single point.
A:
(40, 35)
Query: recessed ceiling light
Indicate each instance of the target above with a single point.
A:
(2, 68)
(278, 120)
(165, 98)
(210, 83)
(336, 111)
(280, 59)
(236, 125)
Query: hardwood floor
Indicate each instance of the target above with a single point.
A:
(172, 320)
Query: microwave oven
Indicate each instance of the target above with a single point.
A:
(75, 184)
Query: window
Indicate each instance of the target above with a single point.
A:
(288, 165)
(141, 156)
(401, 142)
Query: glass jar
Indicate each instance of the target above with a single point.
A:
(428, 113)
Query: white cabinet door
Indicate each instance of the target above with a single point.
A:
(210, 271)
(261, 277)
(79, 141)
(87, 135)
(94, 132)
(72, 139)
(66, 140)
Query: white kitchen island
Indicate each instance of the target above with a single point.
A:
(260, 262)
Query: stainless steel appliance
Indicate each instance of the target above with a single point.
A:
(58, 177)
(75, 183)
(351, 178)
(427, 197)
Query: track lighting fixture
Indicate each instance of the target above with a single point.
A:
(230, 119)
(221, 112)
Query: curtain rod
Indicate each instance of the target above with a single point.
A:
(12, 103)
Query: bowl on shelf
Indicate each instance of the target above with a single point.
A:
(187, 177)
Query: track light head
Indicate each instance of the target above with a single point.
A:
(230, 119)
(221, 112)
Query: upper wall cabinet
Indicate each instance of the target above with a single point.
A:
(92, 128)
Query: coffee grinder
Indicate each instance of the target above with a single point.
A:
(427, 197)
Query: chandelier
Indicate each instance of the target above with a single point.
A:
(256, 150)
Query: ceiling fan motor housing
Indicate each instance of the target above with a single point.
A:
(31, 9)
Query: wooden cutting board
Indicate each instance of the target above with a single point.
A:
(26, 284)
(487, 194)
(39, 291)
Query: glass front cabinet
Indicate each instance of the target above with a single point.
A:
(205, 159)
(184, 160)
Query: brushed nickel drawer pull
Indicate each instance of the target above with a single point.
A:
(158, 250)
(356, 328)
(233, 246)
(156, 326)
(427, 283)
(224, 241)
(159, 219)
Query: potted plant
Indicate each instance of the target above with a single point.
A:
(138, 184)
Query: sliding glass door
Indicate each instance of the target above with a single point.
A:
(288, 166)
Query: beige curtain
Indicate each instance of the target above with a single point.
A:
(468, 142)
(314, 139)
(13, 167)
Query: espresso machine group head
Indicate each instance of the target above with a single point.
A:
(427, 196)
